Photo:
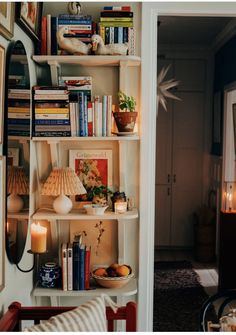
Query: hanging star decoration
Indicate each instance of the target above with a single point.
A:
(164, 86)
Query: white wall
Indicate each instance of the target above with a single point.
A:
(18, 285)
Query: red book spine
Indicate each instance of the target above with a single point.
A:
(90, 118)
(44, 36)
(87, 268)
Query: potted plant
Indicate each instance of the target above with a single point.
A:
(126, 117)
(98, 194)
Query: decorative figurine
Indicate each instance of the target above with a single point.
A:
(72, 44)
(74, 8)
(100, 48)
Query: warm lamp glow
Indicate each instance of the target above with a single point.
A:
(62, 182)
(38, 238)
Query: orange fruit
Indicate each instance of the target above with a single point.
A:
(100, 272)
(114, 266)
(122, 270)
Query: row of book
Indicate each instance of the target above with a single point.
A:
(91, 118)
(18, 116)
(115, 26)
(75, 262)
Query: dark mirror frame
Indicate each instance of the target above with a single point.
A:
(15, 251)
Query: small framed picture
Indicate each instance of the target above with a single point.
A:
(2, 88)
(13, 156)
(28, 17)
(94, 169)
(7, 15)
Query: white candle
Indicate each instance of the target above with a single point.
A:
(38, 238)
(120, 207)
(230, 201)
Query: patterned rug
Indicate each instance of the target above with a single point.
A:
(178, 297)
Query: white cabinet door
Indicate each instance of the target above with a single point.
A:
(180, 134)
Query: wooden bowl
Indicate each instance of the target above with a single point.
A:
(112, 282)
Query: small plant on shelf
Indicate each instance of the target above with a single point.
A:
(126, 117)
(99, 194)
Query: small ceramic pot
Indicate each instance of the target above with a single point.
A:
(50, 275)
(125, 121)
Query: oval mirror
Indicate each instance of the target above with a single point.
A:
(16, 149)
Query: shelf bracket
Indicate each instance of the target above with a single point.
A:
(54, 153)
(123, 76)
(122, 166)
(54, 68)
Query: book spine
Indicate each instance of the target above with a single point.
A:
(70, 267)
(54, 24)
(102, 34)
(18, 110)
(51, 122)
(42, 128)
(48, 34)
(81, 113)
(116, 34)
(79, 35)
(64, 266)
(96, 115)
(45, 116)
(116, 19)
(74, 22)
(72, 119)
(52, 134)
(116, 24)
(44, 36)
(79, 28)
(18, 90)
(107, 35)
(109, 115)
(116, 14)
(117, 8)
(18, 133)
(120, 34)
(51, 110)
(85, 116)
(90, 118)
(125, 35)
(53, 92)
(104, 115)
(18, 116)
(18, 121)
(131, 41)
(112, 35)
(87, 268)
(76, 261)
(51, 97)
(82, 267)
(77, 17)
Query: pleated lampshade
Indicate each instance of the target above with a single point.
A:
(62, 182)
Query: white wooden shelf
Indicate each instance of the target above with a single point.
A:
(88, 60)
(127, 290)
(42, 214)
(24, 215)
(87, 138)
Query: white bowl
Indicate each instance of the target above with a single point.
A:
(94, 209)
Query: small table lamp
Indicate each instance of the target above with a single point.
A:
(62, 182)
(17, 184)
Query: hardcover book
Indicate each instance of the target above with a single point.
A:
(76, 266)
(64, 266)
(70, 266)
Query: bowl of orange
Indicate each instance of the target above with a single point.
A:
(113, 276)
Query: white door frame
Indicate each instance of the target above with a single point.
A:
(150, 12)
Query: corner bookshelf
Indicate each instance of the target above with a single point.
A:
(55, 149)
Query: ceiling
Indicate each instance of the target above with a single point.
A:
(180, 30)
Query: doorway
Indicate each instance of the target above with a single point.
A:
(184, 131)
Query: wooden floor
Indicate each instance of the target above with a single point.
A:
(207, 271)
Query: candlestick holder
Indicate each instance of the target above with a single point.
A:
(229, 196)
(35, 261)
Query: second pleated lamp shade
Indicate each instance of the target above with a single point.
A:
(60, 183)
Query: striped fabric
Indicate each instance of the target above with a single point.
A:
(89, 317)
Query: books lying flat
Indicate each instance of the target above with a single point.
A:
(51, 96)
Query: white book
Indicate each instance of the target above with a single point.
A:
(69, 267)
(72, 119)
(104, 115)
(64, 266)
(50, 116)
(109, 115)
(97, 116)
(18, 116)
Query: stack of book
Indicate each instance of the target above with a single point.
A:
(75, 261)
(51, 112)
(76, 26)
(18, 112)
(116, 26)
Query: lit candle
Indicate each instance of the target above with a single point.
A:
(38, 238)
(120, 207)
(230, 201)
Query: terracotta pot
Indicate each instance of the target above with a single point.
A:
(125, 121)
